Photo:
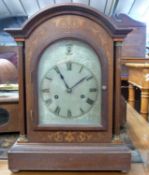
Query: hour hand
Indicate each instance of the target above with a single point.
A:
(61, 76)
(66, 85)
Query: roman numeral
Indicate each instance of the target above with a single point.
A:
(48, 101)
(56, 69)
(89, 78)
(93, 89)
(57, 110)
(69, 113)
(82, 111)
(69, 66)
(90, 101)
(48, 78)
(69, 49)
(81, 69)
(45, 90)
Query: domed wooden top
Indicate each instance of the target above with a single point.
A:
(68, 9)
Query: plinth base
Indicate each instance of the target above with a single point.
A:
(69, 157)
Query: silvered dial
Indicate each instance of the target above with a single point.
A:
(69, 90)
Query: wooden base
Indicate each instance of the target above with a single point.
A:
(69, 157)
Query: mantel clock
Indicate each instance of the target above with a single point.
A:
(71, 92)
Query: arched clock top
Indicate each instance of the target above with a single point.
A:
(68, 9)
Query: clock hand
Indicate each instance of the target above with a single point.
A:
(66, 85)
(78, 82)
(62, 77)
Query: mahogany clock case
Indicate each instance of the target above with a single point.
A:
(63, 28)
(47, 145)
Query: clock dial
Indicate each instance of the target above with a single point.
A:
(66, 84)
(69, 84)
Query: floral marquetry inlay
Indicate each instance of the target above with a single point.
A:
(69, 137)
(72, 137)
(68, 24)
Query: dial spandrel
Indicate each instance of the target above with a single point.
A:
(69, 84)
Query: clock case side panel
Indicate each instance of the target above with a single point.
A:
(22, 95)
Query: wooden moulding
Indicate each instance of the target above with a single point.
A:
(69, 157)
(67, 9)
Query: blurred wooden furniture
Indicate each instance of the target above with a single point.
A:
(138, 75)
(123, 112)
(134, 44)
(10, 121)
(124, 68)
(8, 71)
(132, 50)
(9, 103)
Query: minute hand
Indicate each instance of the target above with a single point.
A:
(78, 82)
